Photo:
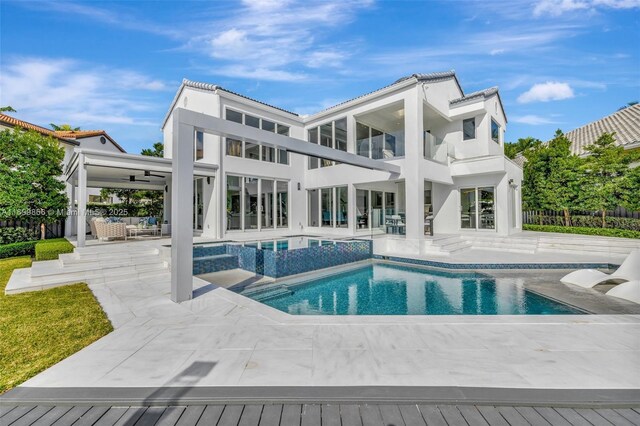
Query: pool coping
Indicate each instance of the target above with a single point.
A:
(555, 397)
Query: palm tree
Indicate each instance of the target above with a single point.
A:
(64, 127)
(7, 108)
(629, 104)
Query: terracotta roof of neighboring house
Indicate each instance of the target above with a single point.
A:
(79, 134)
(14, 122)
(625, 123)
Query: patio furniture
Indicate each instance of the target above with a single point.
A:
(628, 291)
(134, 230)
(110, 230)
(587, 278)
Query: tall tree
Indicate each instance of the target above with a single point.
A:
(30, 169)
(605, 168)
(64, 127)
(514, 148)
(630, 189)
(156, 151)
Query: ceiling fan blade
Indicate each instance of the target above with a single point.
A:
(147, 173)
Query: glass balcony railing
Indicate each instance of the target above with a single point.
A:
(435, 149)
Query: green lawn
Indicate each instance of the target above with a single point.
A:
(41, 328)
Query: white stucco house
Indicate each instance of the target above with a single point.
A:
(431, 152)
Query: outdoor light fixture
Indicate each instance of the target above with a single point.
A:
(166, 188)
(208, 180)
(298, 186)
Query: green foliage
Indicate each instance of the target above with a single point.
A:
(603, 232)
(630, 189)
(605, 170)
(64, 127)
(30, 169)
(50, 249)
(156, 151)
(7, 108)
(585, 221)
(17, 249)
(512, 149)
(41, 328)
(16, 235)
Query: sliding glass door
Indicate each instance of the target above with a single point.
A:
(477, 208)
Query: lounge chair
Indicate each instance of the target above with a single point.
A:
(629, 291)
(588, 278)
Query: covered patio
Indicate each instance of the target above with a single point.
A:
(99, 169)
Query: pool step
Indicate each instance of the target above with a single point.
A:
(214, 263)
(267, 294)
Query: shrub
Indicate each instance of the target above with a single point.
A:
(585, 221)
(50, 249)
(17, 235)
(17, 249)
(603, 232)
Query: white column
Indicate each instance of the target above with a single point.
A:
(69, 223)
(182, 211)
(81, 217)
(414, 182)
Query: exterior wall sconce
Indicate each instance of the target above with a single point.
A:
(208, 180)
(298, 186)
(166, 188)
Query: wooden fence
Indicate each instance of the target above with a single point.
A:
(53, 230)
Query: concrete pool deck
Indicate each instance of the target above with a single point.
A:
(223, 339)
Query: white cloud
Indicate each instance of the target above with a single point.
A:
(544, 92)
(46, 90)
(531, 119)
(559, 7)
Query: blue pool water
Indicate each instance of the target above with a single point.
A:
(290, 243)
(383, 289)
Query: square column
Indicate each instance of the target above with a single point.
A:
(414, 182)
(81, 212)
(182, 210)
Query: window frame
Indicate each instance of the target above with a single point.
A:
(499, 128)
(475, 129)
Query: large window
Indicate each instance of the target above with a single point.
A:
(477, 208)
(495, 131)
(468, 129)
(256, 204)
(332, 135)
(376, 144)
(375, 208)
(198, 146)
(328, 207)
(253, 151)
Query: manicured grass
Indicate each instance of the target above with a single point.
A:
(50, 249)
(41, 328)
(602, 232)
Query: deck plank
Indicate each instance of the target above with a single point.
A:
(71, 416)
(492, 415)
(552, 416)
(512, 416)
(291, 415)
(5, 409)
(170, 416)
(51, 416)
(391, 415)
(472, 415)
(231, 415)
(211, 415)
(592, 417)
(15, 414)
(330, 415)
(532, 416)
(371, 415)
(572, 417)
(452, 415)
(31, 416)
(271, 415)
(613, 417)
(151, 416)
(432, 415)
(112, 416)
(191, 415)
(311, 415)
(411, 415)
(629, 414)
(350, 415)
(250, 415)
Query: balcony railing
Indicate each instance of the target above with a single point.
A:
(435, 149)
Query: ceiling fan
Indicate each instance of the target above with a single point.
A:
(133, 178)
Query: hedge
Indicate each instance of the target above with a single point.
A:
(602, 232)
(50, 249)
(583, 221)
(17, 235)
(17, 249)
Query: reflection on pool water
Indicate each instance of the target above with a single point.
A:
(290, 243)
(384, 289)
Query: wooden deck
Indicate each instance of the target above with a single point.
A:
(316, 415)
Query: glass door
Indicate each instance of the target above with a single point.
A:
(486, 208)
(198, 204)
(377, 211)
(468, 208)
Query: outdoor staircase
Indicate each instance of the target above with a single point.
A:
(584, 244)
(91, 265)
(510, 244)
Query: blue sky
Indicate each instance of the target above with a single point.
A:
(117, 65)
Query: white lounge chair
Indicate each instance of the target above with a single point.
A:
(629, 291)
(587, 278)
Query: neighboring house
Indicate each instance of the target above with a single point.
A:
(625, 123)
(69, 140)
(417, 149)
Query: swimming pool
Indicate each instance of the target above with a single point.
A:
(290, 243)
(387, 289)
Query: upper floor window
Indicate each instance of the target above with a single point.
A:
(332, 135)
(495, 131)
(238, 148)
(198, 146)
(468, 129)
(376, 144)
